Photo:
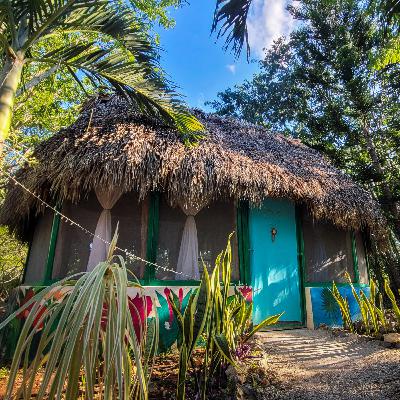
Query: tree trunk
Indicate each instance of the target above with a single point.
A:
(10, 78)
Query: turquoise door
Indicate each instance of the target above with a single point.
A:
(273, 261)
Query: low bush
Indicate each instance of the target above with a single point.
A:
(89, 339)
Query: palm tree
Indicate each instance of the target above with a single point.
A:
(231, 17)
(109, 49)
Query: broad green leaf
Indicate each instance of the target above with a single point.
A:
(267, 321)
(203, 301)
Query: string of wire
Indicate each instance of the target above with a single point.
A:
(74, 223)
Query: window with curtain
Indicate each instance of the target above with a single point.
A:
(327, 251)
(74, 245)
(214, 223)
(39, 249)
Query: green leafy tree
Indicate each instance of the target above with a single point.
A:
(389, 18)
(12, 260)
(319, 85)
(104, 45)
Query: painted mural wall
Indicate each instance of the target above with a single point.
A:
(322, 308)
(144, 303)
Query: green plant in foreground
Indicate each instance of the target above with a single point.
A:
(85, 336)
(224, 322)
(344, 308)
(395, 307)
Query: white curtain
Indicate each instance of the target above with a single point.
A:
(98, 253)
(188, 266)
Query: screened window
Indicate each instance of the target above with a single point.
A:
(214, 223)
(132, 217)
(39, 249)
(327, 252)
(73, 244)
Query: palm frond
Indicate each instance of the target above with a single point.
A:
(111, 68)
(121, 26)
(230, 18)
(123, 58)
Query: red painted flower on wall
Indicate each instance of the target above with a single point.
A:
(140, 308)
(25, 313)
(247, 293)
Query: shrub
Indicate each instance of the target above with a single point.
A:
(222, 321)
(84, 338)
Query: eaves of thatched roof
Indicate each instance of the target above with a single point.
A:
(112, 144)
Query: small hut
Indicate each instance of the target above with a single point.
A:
(300, 223)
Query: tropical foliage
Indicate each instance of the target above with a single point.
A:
(103, 44)
(230, 20)
(12, 260)
(86, 339)
(376, 319)
(222, 322)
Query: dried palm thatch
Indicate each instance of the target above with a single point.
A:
(111, 144)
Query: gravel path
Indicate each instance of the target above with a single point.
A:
(314, 365)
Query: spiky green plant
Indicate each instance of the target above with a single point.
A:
(85, 336)
(392, 299)
(344, 308)
(224, 321)
(373, 313)
(362, 304)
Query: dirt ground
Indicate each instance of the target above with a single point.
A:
(302, 365)
(315, 365)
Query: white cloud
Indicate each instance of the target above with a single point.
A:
(231, 68)
(268, 20)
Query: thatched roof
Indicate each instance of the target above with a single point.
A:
(112, 144)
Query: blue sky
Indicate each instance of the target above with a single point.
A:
(198, 64)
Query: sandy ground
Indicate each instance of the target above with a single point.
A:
(314, 365)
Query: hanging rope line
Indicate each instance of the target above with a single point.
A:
(74, 223)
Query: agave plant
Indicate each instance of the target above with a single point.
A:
(83, 338)
(111, 51)
(222, 320)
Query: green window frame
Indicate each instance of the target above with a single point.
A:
(149, 278)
